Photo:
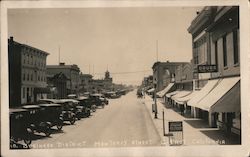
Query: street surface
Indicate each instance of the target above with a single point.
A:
(125, 122)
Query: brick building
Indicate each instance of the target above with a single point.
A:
(27, 73)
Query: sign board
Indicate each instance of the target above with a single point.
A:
(175, 129)
(175, 126)
(207, 68)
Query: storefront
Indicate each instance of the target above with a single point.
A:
(162, 93)
(223, 105)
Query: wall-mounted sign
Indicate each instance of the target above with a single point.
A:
(207, 68)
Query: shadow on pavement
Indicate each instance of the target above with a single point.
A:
(197, 123)
(220, 137)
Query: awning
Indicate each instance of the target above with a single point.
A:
(225, 97)
(180, 95)
(151, 90)
(165, 90)
(183, 100)
(172, 93)
(202, 93)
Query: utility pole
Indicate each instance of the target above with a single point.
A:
(59, 53)
(155, 84)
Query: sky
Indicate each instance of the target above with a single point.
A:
(120, 40)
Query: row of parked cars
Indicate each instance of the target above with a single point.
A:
(47, 114)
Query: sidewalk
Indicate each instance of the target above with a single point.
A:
(195, 131)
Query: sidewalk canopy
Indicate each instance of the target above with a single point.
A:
(172, 93)
(179, 95)
(151, 90)
(202, 93)
(183, 100)
(225, 97)
(165, 90)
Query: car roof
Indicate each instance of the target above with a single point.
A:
(49, 105)
(51, 100)
(69, 100)
(30, 106)
(82, 98)
(15, 110)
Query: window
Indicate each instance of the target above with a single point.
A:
(31, 59)
(225, 50)
(235, 44)
(28, 59)
(23, 76)
(216, 52)
(23, 92)
(28, 77)
(31, 77)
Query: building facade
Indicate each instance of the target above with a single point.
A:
(72, 72)
(215, 34)
(85, 83)
(58, 86)
(164, 73)
(102, 85)
(27, 73)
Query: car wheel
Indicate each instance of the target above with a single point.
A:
(72, 121)
(47, 131)
(59, 126)
(27, 141)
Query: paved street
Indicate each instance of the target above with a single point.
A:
(124, 122)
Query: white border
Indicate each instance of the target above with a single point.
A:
(228, 150)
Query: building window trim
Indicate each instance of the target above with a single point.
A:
(235, 47)
(224, 45)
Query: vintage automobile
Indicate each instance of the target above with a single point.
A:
(75, 107)
(97, 100)
(19, 127)
(68, 112)
(52, 114)
(37, 120)
(87, 103)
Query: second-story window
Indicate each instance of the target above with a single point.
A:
(225, 50)
(23, 76)
(28, 59)
(236, 47)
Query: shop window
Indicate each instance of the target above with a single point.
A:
(225, 50)
(236, 47)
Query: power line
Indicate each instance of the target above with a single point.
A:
(127, 72)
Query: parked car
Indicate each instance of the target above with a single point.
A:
(19, 127)
(97, 100)
(87, 102)
(67, 111)
(37, 120)
(83, 102)
(53, 114)
(75, 107)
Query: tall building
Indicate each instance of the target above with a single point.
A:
(72, 72)
(164, 73)
(27, 73)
